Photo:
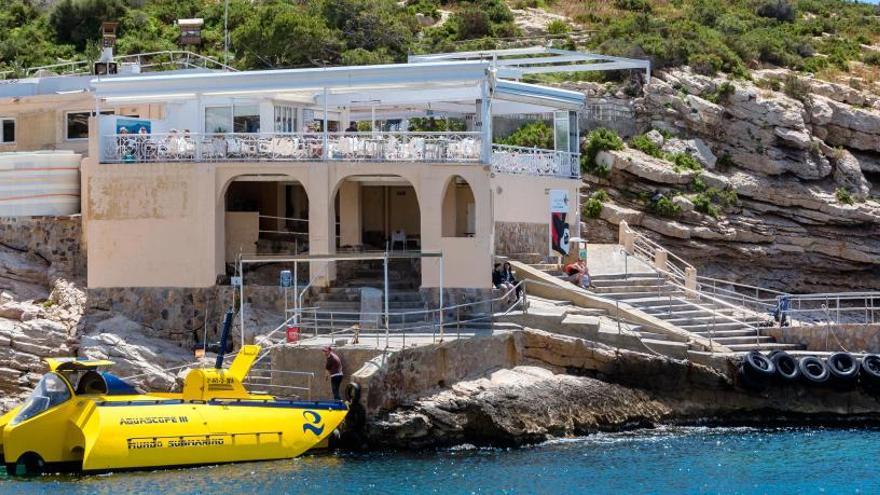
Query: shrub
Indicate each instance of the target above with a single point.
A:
(706, 64)
(532, 135)
(664, 207)
(795, 88)
(600, 139)
(558, 26)
(633, 5)
(781, 10)
(724, 162)
(872, 58)
(844, 196)
(684, 161)
(642, 143)
(721, 93)
(704, 204)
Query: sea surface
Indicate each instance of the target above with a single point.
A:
(671, 460)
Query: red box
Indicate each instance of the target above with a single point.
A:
(292, 334)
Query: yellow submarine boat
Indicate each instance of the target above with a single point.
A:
(82, 418)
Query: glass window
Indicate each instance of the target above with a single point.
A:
(285, 119)
(218, 119)
(246, 118)
(560, 128)
(49, 392)
(78, 124)
(8, 132)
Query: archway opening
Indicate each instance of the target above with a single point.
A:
(375, 213)
(265, 215)
(459, 211)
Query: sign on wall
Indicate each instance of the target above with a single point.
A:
(559, 229)
(133, 126)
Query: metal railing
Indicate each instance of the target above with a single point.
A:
(293, 146)
(748, 296)
(646, 249)
(152, 61)
(271, 382)
(837, 308)
(521, 160)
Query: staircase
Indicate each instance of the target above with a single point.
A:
(339, 306)
(738, 329)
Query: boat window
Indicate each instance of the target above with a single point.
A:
(49, 392)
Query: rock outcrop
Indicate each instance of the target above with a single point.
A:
(802, 156)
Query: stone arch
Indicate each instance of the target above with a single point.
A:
(375, 210)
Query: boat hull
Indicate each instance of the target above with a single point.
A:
(156, 432)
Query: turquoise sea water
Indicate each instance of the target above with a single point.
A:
(662, 461)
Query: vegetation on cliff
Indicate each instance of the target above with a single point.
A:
(710, 35)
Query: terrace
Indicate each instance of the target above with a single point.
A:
(450, 109)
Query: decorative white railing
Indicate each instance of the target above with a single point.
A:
(355, 146)
(431, 147)
(533, 161)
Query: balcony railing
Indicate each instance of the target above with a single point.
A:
(533, 161)
(430, 147)
(349, 146)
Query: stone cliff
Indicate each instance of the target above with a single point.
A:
(802, 156)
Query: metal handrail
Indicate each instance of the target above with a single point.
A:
(183, 58)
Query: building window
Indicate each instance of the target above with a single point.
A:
(8, 131)
(285, 118)
(77, 124)
(243, 118)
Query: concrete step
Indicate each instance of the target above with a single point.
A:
(628, 282)
(677, 350)
(761, 339)
(641, 294)
(745, 332)
(622, 289)
(656, 302)
(677, 319)
(694, 312)
(652, 335)
(703, 327)
(623, 276)
(765, 347)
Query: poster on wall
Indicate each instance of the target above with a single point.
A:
(559, 230)
(133, 126)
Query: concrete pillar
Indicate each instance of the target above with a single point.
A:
(322, 225)
(625, 237)
(660, 259)
(622, 229)
(350, 228)
(690, 282)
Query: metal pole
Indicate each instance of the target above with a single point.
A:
(241, 297)
(441, 298)
(226, 33)
(296, 292)
(385, 269)
(325, 152)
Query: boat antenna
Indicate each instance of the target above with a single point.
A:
(224, 338)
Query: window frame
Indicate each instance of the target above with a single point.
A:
(14, 131)
(91, 113)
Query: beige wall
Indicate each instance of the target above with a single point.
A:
(526, 199)
(165, 224)
(41, 121)
(242, 232)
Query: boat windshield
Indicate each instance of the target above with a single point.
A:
(49, 392)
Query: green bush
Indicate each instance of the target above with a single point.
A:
(593, 206)
(721, 93)
(704, 204)
(706, 64)
(600, 139)
(684, 161)
(664, 207)
(532, 135)
(796, 88)
(872, 58)
(558, 27)
(781, 10)
(844, 196)
(711, 201)
(642, 143)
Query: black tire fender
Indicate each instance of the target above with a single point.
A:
(786, 366)
(870, 373)
(353, 392)
(843, 366)
(757, 370)
(813, 370)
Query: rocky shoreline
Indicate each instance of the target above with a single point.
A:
(565, 393)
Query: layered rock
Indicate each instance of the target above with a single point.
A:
(794, 149)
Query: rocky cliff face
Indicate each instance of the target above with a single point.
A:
(45, 312)
(802, 155)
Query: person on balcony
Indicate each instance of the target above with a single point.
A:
(352, 127)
